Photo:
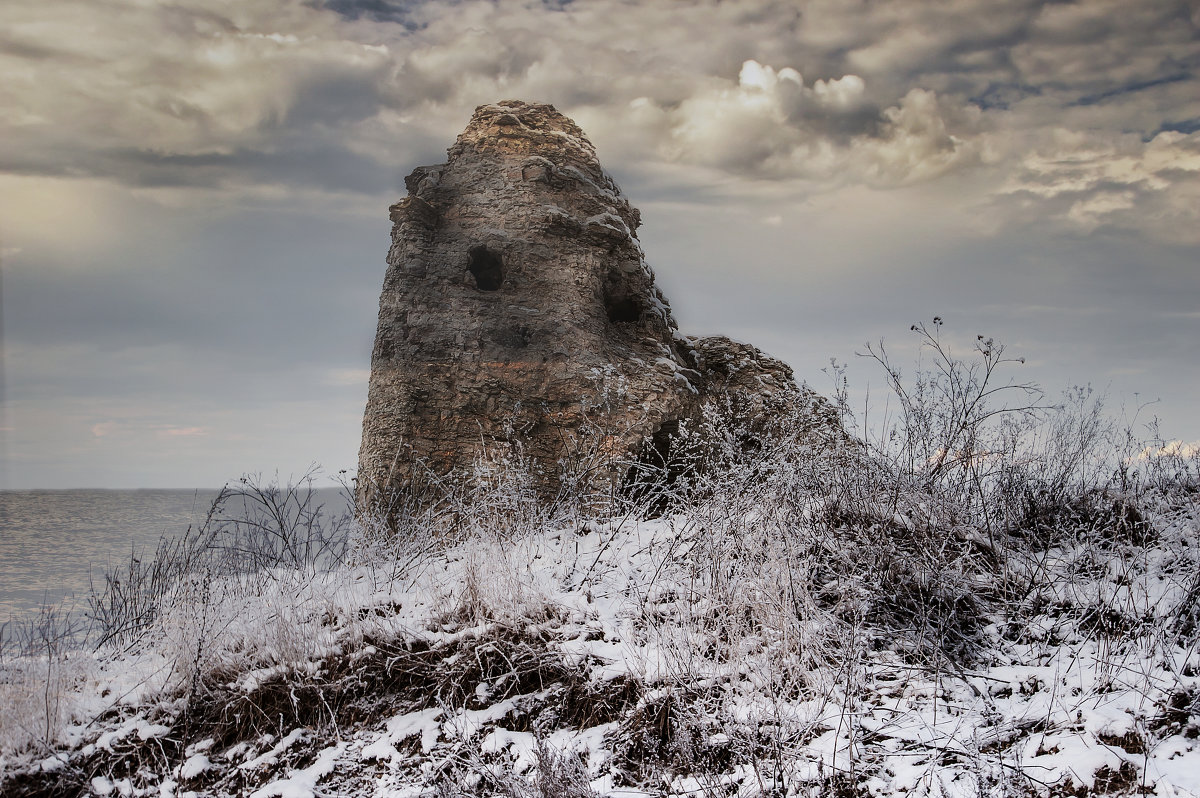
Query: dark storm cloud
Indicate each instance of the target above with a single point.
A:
(235, 84)
(1130, 88)
(1185, 126)
(402, 13)
(26, 50)
(334, 100)
(318, 165)
(1001, 96)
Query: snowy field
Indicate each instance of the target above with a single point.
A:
(731, 652)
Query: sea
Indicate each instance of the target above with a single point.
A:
(54, 544)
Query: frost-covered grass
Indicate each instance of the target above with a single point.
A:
(971, 606)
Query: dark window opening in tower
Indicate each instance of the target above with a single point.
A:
(619, 302)
(487, 268)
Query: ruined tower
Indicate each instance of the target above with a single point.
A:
(518, 315)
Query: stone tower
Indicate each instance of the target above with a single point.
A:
(518, 314)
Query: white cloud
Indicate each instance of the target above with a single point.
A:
(769, 124)
(755, 76)
(1090, 180)
(843, 94)
(1091, 212)
(917, 143)
(1176, 448)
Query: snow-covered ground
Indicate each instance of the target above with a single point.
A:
(761, 642)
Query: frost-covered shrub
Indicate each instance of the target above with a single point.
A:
(554, 773)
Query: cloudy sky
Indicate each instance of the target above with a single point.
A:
(193, 197)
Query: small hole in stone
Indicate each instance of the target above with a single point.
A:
(487, 268)
(619, 302)
(624, 310)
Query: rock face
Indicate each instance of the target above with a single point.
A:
(518, 315)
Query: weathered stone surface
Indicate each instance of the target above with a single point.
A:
(518, 312)
(756, 394)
